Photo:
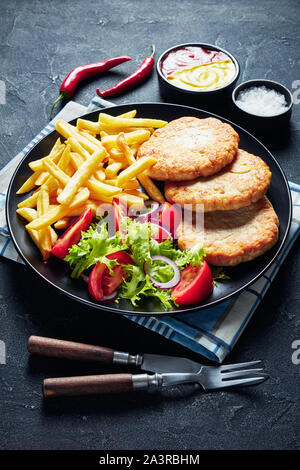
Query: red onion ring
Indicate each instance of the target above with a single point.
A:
(109, 297)
(164, 285)
(164, 231)
(84, 278)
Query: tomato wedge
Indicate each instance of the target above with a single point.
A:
(95, 281)
(196, 283)
(120, 210)
(160, 234)
(72, 235)
(101, 282)
(170, 217)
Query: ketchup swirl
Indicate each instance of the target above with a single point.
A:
(189, 56)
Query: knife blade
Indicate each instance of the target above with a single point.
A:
(168, 364)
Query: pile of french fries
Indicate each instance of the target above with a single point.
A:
(94, 164)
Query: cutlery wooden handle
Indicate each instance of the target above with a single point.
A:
(69, 350)
(87, 385)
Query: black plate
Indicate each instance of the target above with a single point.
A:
(56, 272)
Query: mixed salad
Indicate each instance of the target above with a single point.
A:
(138, 259)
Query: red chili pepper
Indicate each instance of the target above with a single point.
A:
(83, 72)
(133, 80)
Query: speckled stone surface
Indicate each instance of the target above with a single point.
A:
(40, 41)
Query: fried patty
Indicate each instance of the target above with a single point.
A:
(233, 237)
(239, 184)
(188, 147)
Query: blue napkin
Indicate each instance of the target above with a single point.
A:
(211, 332)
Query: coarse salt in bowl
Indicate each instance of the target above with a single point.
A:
(263, 103)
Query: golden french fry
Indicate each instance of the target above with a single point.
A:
(135, 137)
(54, 236)
(42, 202)
(42, 178)
(67, 130)
(60, 211)
(132, 129)
(116, 155)
(125, 149)
(30, 201)
(69, 170)
(76, 160)
(129, 114)
(34, 234)
(100, 174)
(31, 214)
(115, 122)
(77, 148)
(151, 188)
(65, 158)
(134, 149)
(56, 172)
(102, 189)
(89, 204)
(136, 192)
(37, 165)
(62, 223)
(80, 155)
(135, 169)
(27, 213)
(103, 198)
(103, 134)
(131, 184)
(88, 133)
(90, 137)
(89, 125)
(52, 182)
(45, 233)
(81, 176)
(113, 169)
(107, 130)
(130, 199)
(29, 184)
(55, 147)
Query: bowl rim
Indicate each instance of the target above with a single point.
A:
(204, 45)
(263, 81)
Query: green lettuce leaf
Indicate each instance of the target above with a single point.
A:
(139, 285)
(181, 257)
(219, 274)
(93, 247)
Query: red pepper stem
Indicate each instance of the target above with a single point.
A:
(153, 50)
(61, 96)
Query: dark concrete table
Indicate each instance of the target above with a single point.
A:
(39, 43)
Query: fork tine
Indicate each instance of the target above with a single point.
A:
(239, 373)
(244, 382)
(241, 365)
